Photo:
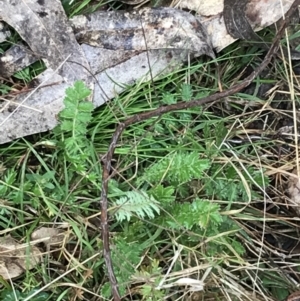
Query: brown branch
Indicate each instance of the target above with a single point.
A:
(158, 112)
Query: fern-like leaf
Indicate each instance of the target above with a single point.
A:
(77, 113)
(136, 202)
(163, 194)
(177, 168)
(198, 213)
(74, 119)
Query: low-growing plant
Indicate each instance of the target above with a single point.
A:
(176, 190)
(195, 196)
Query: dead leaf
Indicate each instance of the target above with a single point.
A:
(43, 25)
(171, 35)
(15, 59)
(48, 100)
(4, 32)
(124, 48)
(294, 296)
(294, 191)
(50, 236)
(236, 23)
(238, 26)
(142, 30)
(259, 14)
(203, 7)
(16, 258)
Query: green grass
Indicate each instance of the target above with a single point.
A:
(197, 193)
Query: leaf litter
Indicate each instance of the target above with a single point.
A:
(134, 42)
(60, 241)
(294, 191)
(17, 258)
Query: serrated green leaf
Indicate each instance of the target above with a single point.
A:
(177, 168)
(198, 213)
(138, 203)
(163, 194)
(186, 92)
